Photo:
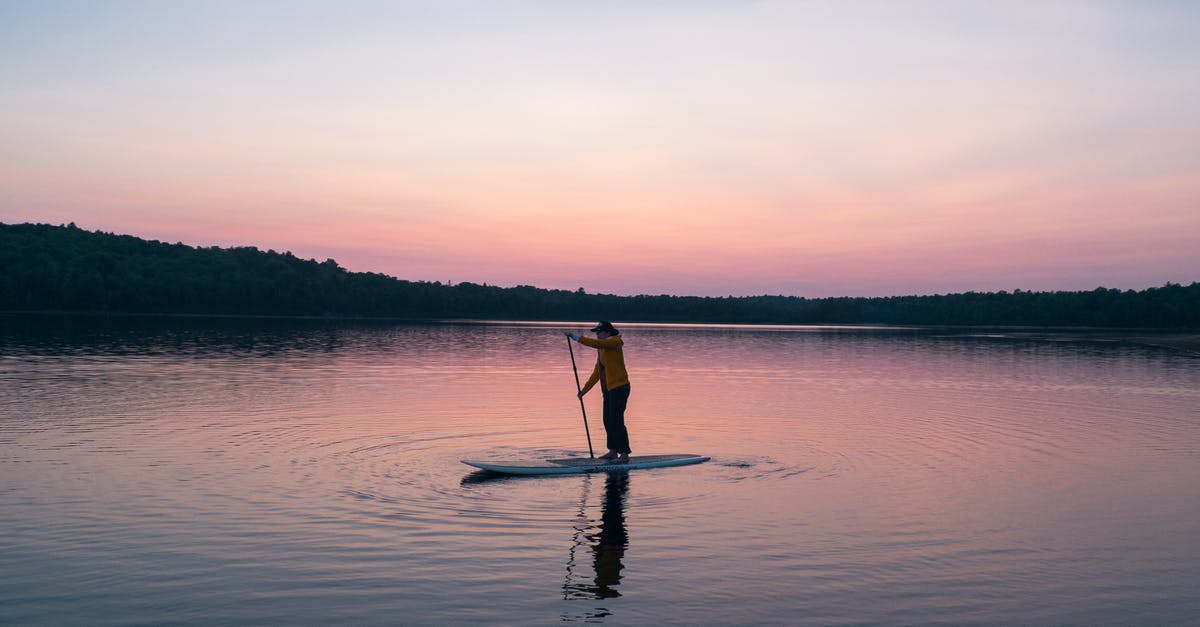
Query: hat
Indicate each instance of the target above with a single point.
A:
(605, 326)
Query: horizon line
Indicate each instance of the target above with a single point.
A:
(451, 283)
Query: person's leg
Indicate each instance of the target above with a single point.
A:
(617, 435)
(608, 433)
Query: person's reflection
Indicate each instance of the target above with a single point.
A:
(608, 544)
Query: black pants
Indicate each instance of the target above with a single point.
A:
(614, 419)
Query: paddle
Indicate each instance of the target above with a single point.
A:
(579, 393)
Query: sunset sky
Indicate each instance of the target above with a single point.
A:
(706, 148)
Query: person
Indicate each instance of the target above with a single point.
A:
(614, 386)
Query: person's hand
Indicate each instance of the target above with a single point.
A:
(573, 336)
(581, 393)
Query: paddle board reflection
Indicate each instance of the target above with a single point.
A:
(605, 539)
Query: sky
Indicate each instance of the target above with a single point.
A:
(629, 147)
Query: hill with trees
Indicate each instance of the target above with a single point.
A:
(65, 268)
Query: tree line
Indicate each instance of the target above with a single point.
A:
(65, 268)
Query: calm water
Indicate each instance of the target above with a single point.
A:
(302, 473)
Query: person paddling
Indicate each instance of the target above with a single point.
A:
(614, 386)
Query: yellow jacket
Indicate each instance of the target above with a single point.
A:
(610, 361)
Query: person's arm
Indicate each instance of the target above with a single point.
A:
(592, 380)
(612, 342)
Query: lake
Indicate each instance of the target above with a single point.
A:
(184, 471)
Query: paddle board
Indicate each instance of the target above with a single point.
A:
(574, 465)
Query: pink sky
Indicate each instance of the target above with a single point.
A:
(685, 148)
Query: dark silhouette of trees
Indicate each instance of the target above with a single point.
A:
(65, 268)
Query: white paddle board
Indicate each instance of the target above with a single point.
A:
(574, 465)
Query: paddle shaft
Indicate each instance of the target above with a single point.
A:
(579, 393)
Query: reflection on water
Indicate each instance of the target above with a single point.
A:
(607, 542)
(305, 472)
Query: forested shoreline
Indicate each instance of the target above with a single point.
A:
(65, 268)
